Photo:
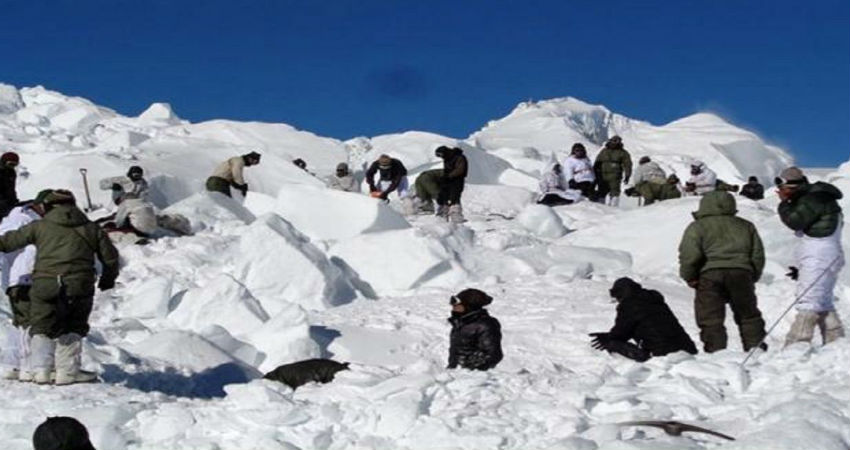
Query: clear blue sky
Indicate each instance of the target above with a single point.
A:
(349, 68)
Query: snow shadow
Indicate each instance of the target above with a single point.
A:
(324, 336)
(205, 385)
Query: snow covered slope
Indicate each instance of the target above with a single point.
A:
(297, 271)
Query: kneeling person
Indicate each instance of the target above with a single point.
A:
(642, 316)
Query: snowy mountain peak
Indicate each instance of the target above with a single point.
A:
(10, 99)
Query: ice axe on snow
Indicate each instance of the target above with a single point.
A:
(83, 172)
(674, 428)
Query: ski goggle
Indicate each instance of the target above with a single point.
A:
(779, 181)
(453, 300)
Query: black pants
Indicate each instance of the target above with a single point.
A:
(628, 350)
(450, 192)
(586, 188)
(553, 200)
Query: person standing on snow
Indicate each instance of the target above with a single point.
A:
(133, 185)
(578, 171)
(63, 285)
(476, 337)
(16, 282)
(553, 189)
(8, 182)
(703, 180)
(812, 211)
(455, 169)
(343, 180)
(643, 316)
(229, 173)
(613, 167)
(753, 190)
(392, 176)
(722, 257)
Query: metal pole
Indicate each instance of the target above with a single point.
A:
(86, 186)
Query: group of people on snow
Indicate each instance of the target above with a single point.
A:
(603, 179)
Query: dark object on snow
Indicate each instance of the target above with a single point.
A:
(308, 371)
(61, 433)
(793, 273)
(8, 182)
(300, 163)
(476, 337)
(673, 428)
(554, 200)
(642, 316)
(753, 190)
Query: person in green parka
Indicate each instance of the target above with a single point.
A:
(67, 244)
(652, 192)
(427, 187)
(721, 256)
(613, 167)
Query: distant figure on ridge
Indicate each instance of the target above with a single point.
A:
(613, 167)
(343, 180)
(229, 173)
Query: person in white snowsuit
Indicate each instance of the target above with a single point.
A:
(578, 171)
(649, 171)
(554, 190)
(133, 185)
(812, 211)
(17, 269)
(703, 180)
(343, 180)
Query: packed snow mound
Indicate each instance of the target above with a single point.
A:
(539, 129)
(223, 301)
(10, 99)
(285, 338)
(326, 214)
(159, 114)
(151, 299)
(542, 221)
(398, 260)
(279, 265)
(211, 209)
(183, 349)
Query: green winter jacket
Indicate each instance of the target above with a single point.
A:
(613, 163)
(717, 239)
(813, 209)
(66, 243)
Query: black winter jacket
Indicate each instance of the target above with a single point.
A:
(643, 316)
(476, 341)
(753, 191)
(8, 178)
(394, 174)
(813, 209)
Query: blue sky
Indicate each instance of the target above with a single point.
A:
(350, 68)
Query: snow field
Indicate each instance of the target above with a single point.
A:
(296, 271)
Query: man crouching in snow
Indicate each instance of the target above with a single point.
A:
(62, 292)
(643, 316)
(812, 211)
(476, 337)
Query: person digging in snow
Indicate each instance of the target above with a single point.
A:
(721, 256)
(299, 373)
(554, 190)
(16, 282)
(8, 182)
(427, 188)
(476, 337)
(392, 177)
(753, 190)
(229, 173)
(811, 210)
(455, 169)
(343, 179)
(613, 167)
(642, 316)
(578, 171)
(67, 244)
(133, 185)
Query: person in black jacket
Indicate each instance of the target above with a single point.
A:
(753, 190)
(455, 169)
(642, 316)
(476, 337)
(393, 177)
(8, 181)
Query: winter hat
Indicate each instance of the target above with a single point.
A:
(753, 178)
(672, 179)
(61, 433)
(578, 146)
(384, 161)
(624, 288)
(644, 160)
(49, 197)
(342, 168)
(135, 170)
(614, 142)
(791, 176)
(473, 299)
(441, 151)
(10, 157)
(252, 155)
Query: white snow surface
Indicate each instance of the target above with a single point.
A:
(296, 271)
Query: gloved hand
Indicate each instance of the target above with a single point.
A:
(599, 341)
(693, 283)
(105, 284)
(793, 273)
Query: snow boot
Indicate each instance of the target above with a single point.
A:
(11, 374)
(803, 328)
(615, 201)
(443, 211)
(69, 349)
(41, 359)
(830, 327)
(456, 214)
